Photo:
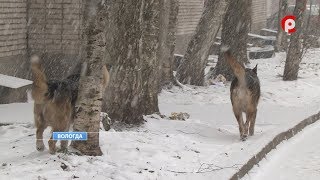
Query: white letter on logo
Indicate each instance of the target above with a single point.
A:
(289, 24)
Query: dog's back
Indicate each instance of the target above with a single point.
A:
(248, 92)
(244, 94)
(61, 90)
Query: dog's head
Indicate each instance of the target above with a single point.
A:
(81, 69)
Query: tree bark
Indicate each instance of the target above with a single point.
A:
(88, 105)
(235, 29)
(167, 41)
(133, 87)
(294, 55)
(281, 41)
(191, 71)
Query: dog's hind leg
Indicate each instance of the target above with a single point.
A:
(39, 135)
(238, 115)
(247, 124)
(64, 144)
(40, 125)
(253, 116)
(52, 144)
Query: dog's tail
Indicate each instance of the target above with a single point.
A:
(237, 68)
(40, 86)
(105, 74)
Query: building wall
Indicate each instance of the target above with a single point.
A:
(55, 26)
(50, 28)
(314, 2)
(188, 17)
(13, 43)
(259, 15)
(190, 12)
(272, 7)
(40, 25)
(12, 27)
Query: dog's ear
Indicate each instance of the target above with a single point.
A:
(106, 76)
(84, 69)
(255, 69)
(108, 67)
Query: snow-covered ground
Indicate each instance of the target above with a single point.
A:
(295, 159)
(205, 146)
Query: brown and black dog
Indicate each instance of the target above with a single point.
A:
(54, 102)
(244, 94)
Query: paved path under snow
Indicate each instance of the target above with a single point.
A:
(295, 159)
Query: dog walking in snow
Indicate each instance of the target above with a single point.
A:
(54, 102)
(244, 94)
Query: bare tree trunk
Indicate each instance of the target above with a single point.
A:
(167, 41)
(309, 18)
(281, 42)
(294, 55)
(308, 33)
(191, 71)
(133, 87)
(235, 29)
(88, 106)
(317, 30)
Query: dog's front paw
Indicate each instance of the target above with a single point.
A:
(52, 151)
(40, 146)
(251, 132)
(52, 147)
(243, 137)
(63, 150)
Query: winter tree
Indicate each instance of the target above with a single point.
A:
(294, 55)
(167, 40)
(191, 71)
(235, 29)
(281, 42)
(88, 106)
(134, 79)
